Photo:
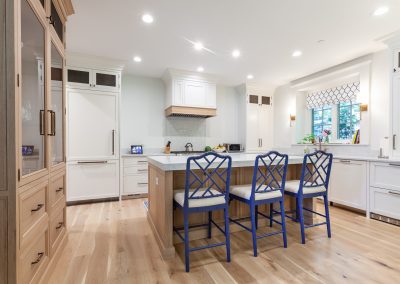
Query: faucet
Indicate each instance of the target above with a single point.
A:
(320, 145)
(189, 147)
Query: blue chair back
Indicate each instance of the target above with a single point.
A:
(269, 173)
(316, 169)
(213, 172)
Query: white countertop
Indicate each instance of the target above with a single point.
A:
(176, 163)
(366, 158)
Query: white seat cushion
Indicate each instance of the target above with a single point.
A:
(244, 191)
(179, 197)
(293, 186)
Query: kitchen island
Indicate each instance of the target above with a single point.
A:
(167, 173)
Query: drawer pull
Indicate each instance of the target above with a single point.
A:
(394, 192)
(345, 161)
(38, 259)
(142, 170)
(59, 226)
(142, 183)
(142, 161)
(91, 162)
(394, 165)
(38, 207)
(59, 189)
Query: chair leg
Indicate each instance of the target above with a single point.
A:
(256, 217)
(227, 236)
(282, 205)
(300, 208)
(186, 228)
(209, 223)
(328, 220)
(253, 229)
(271, 214)
(297, 211)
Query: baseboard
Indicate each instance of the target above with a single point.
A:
(79, 202)
(385, 219)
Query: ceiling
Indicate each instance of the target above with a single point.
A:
(265, 31)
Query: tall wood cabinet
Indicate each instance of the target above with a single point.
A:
(37, 35)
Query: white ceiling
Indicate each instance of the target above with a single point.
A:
(265, 31)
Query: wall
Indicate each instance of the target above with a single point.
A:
(379, 106)
(143, 120)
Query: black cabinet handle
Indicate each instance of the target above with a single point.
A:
(41, 122)
(51, 20)
(59, 189)
(38, 259)
(38, 207)
(59, 225)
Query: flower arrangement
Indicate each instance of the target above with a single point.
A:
(325, 134)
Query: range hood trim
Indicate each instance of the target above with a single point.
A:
(190, 112)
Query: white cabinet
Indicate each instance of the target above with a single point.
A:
(259, 123)
(99, 80)
(178, 93)
(396, 113)
(134, 176)
(92, 180)
(92, 125)
(385, 175)
(348, 183)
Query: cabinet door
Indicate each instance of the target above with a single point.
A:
(396, 115)
(265, 124)
(178, 92)
(32, 112)
(56, 112)
(253, 142)
(79, 78)
(348, 183)
(106, 81)
(385, 202)
(56, 21)
(211, 95)
(385, 175)
(396, 67)
(92, 125)
(195, 94)
(92, 180)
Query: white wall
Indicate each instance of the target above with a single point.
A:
(143, 120)
(379, 105)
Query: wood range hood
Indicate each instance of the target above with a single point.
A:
(183, 111)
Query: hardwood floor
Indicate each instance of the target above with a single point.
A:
(113, 243)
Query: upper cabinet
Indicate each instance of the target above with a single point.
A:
(395, 112)
(396, 61)
(190, 94)
(57, 21)
(83, 78)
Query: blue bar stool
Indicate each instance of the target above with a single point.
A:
(267, 187)
(206, 190)
(314, 181)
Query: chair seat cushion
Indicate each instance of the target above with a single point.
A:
(244, 191)
(293, 186)
(179, 197)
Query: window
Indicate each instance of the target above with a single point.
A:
(349, 119)
(321, 120)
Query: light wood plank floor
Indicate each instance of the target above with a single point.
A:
(113, 243)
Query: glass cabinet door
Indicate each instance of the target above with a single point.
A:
(32, 112)
(55, 114)
(57, 22)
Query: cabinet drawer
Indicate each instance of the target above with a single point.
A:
(385, 175)
(135, 161)
(56, 189)
(135, 184)
(34, 260)
(385, 202)
(32, 207)
(136, 170)
(57, 228)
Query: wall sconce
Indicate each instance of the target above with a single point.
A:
(292, 119)
(363, 107)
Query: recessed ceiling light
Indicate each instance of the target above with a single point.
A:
(297, 53)
(381, 11)
(236, 53)
(250, 76)
(137, 59)
(200, 69)
(147, 18)
(198, 46)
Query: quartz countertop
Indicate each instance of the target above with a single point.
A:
(176, 163)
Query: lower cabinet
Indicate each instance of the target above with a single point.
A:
(57, 227)
(348, 183)
(135, 176)
(92, 180)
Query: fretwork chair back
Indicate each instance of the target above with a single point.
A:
(267, 187)
(314, 182)
(206, 190)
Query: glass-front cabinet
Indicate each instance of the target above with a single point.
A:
(40, 85)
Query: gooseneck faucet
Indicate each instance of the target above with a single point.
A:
(189, 147)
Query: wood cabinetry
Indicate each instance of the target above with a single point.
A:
(34, 107)
(348, 183)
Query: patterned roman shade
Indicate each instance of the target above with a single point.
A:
(344, 93)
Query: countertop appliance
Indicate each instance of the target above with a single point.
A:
(233, 147)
